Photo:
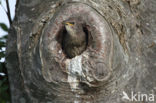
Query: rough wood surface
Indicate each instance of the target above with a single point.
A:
(121, 55)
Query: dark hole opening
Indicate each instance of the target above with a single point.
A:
(61, 36)
(87, 35)
(64, 32)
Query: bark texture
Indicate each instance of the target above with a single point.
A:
(120, 55)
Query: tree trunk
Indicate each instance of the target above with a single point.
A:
(118, 62)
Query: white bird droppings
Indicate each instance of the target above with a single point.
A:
(74, 68)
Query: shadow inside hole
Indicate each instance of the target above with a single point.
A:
(62, 33)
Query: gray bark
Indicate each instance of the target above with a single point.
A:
(120, 57)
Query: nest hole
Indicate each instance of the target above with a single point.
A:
(61, 34)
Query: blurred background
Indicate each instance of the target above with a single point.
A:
(7, 13)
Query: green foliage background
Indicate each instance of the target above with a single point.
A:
(4, 84)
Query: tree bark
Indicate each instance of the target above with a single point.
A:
(120, 56)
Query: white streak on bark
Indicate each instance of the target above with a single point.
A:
(74, 68)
